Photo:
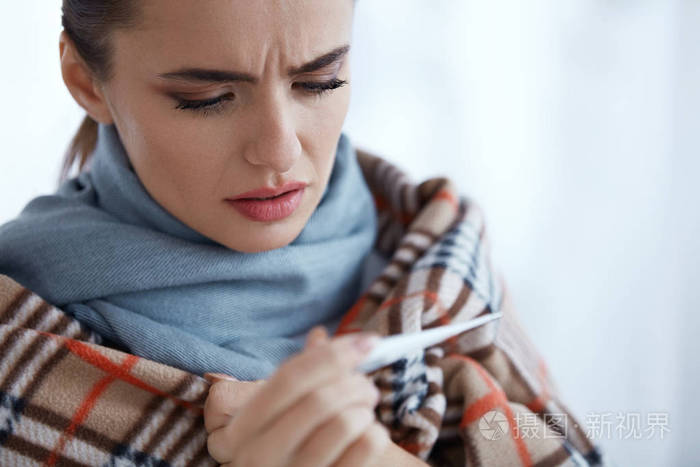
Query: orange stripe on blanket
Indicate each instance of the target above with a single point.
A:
(355, 310)
(539, 402)
(495, 399)
(86, 406)
(432, 295)
(350, 317)
(443, 318)
(477, 409)
(381, 204)
(447, 196)
(95, 358)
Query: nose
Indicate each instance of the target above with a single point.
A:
(274, 142)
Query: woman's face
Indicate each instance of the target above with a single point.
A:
(214, 99)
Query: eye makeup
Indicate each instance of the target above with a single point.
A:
(321, 87)
(214, 104)
(217, 104)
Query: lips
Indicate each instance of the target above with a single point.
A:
(270, 192)
(268, 210)
(269, 197)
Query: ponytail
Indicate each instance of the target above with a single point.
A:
(80, 147)
(89, 25)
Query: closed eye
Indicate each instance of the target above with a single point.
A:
(321, 87)
(213, 104)
(217, 104)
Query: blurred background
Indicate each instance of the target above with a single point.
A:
(573, 123)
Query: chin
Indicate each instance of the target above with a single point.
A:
(247, 236)
(260, 244)
(258, 248)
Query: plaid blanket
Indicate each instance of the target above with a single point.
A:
(481, 398)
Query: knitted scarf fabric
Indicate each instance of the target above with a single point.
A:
(481, 398)
(103, 250)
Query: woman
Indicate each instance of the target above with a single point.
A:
(221, 215)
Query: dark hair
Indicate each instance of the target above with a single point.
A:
(89, 25)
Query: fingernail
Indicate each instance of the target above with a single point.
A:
(316, 333)
(314, 337)
(214, 377)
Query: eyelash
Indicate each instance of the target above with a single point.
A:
(216, 104)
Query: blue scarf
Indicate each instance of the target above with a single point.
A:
(105, 252)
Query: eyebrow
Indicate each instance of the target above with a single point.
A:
(226, 76)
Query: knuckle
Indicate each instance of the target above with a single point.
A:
(208, 423)
(216, 448)
(320, 399)
(363, 389)
(350, 421)
(219, 392)
(337, 355)
(361, 380)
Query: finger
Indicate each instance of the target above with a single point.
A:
(367, 450)
(315, 409)
(214, 377)
(313, 368)
(330, 440)
(317, 335)
(224, 400)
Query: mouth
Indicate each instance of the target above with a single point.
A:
(269, 197)
(270, 192)
(271, 208)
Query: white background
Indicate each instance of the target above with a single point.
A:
(573, 123)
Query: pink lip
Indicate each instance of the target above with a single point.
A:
(270, 209)
(267, 192)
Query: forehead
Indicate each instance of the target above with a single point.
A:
(242, 32)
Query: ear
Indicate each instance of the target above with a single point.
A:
(80, 82)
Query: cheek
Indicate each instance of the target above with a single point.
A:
(177, 166)
(332, 115)
(325, 122)
(168, 148)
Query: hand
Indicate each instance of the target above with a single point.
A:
(314, 411)
(227, 394)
